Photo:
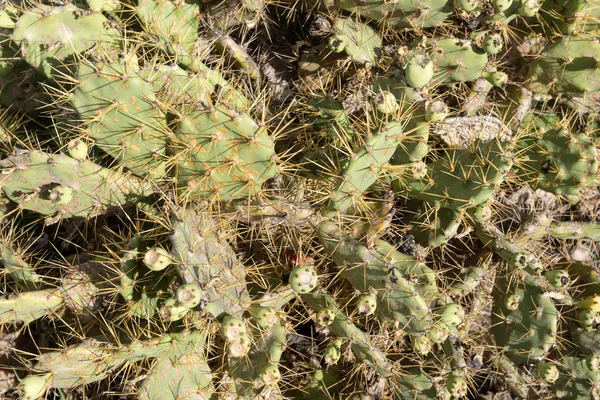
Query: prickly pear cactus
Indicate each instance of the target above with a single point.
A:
(303, 200)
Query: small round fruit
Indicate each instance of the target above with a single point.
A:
(547, 372)
(233, 329)
(270, 374)
(367, 304)
(189, 295)
(172, 311)
(466, 5)
(78, 149)
(386, 102)
(157, 259)
(457, 386)
(303, 279)
(492, 44)
(419, 71)
(61, 195)
(33, 387)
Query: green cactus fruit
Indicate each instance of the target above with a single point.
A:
(366, 304)
(333, 352)
(78, 149)
(558, 278)
(589, 320)
(233, 329)
(451, 315)
(325, 317)
(419, 71)
(34, 387)
(269, 374)
(172, 311)
(157, 259)
(303, 279)
(493, 43)
(385, 102)
(501, 5)
(421, 345)
(239, 348)
(61, 194)
(189, 295)
(496, 78)
(466, 5)
(529, 8)
(436, 111)
(265, 317)
(457, 385)
(439, 333)
(512, 302)
(336, 44)
(547, 372)
(593, 362)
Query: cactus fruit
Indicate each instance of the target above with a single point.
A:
(303, 279)
(157, 259)
(419, 71)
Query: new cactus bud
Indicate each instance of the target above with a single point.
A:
(439, 333)
(34, 386)
(421, 345)
(512, 302)
(239, 348)
(519, 260)
(189, 295)
(436, 111)
(325, 317)
(336, 44)
(558, 278)
(419, 71)
(367, 304)
(496, 78)
(588, 320)
(172, 311)
(333, 352)
(456, 385)
(501, 5)
(529, 8)
(61, 194)
(78, 149)
(157, 259)
(451, 314)
(492, 44)
(269, 374)
(593, 362)
(385, 102)
(547, 372)
(265, 317)
(303, 279)
(233, 329)
(466, 5)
